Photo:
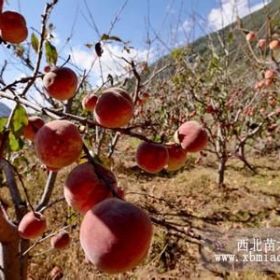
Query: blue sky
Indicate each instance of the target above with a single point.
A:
(169, 23)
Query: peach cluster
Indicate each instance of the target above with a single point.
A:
(153, 157)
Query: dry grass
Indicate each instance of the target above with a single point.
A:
(247, 200)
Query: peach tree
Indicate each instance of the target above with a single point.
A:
(236, 100)
(115, 235)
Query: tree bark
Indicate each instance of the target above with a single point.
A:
(13, 266)
(221, 171)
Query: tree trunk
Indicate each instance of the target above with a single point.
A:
(244, 159)
(221, 171)
(13, 266)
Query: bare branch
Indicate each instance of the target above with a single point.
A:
(19, 204)
(47, 191)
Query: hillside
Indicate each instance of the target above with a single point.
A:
(230, 36)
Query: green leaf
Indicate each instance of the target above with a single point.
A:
(3, 122)
(106, 37)
(34, 42)
(20, 119)
(15, 143)
(51, 53)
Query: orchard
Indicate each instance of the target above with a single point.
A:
(116, 177)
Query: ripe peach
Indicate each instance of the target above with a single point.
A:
(32, 225)
(60, 83)
(115, 235)
(268, 82)
(34, 124)
(269, 74)
(114, 108)
(251, 36)
(262, 44)
(151, 157)
(259, 85)
(13, 27)
(274, 44)
(85, 186)
(89, 102)
(58, 144)
(192, 136)
(60, 240)
(177, 157)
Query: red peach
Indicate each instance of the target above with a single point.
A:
(114, 108)
(192, 136)
(32, 225)
(115, 235)
(268, 82)
(89, 102)
(259, 85)
(60, 83)
(87, 185)
(270, 74)
(274, 44)
(251, 36)
(13, 27)
(34, 124)
(151, 157)
(177, 157)
(58, 144)
(262, 44)
(61, 240)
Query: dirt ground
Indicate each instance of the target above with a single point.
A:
(184, 206)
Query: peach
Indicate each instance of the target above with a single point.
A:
(259, 84)
(268, 82)
(114, 108)
(32, 225)
(251, 36)
(89, 102)
(34, 124)
(60, 83)
(86, 185)
(61, 240)
(262, 44)
(192, 137)
(115, 235)
(13, 27)
(177, 157)
(58, 144)
(270, 74)
(151, 157)
(274, 44)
